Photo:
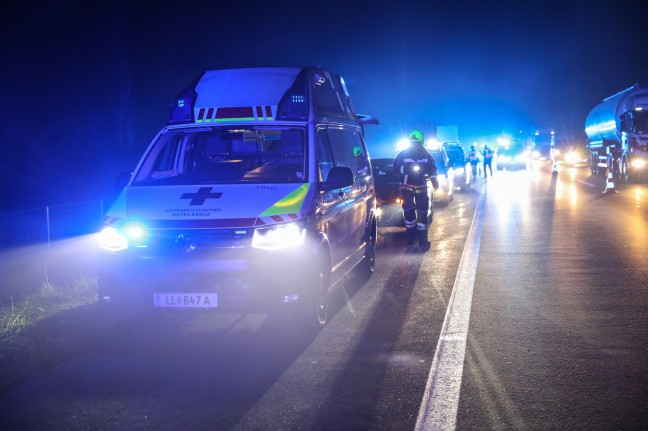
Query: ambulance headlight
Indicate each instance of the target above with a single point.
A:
(112, 239)
(279, 237)
(116, 239)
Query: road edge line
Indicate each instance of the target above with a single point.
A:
(440, 402)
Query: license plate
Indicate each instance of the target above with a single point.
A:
(185, 300)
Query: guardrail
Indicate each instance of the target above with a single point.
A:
(44, 225)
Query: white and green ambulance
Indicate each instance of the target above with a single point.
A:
(258, 192)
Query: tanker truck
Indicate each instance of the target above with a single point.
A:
(617, 134)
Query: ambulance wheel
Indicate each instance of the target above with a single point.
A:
(314, 311)
(322, 288)
(366, 267)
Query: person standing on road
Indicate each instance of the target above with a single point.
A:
(415, 166)
(473, 159)
(488, 160)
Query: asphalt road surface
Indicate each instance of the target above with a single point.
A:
(546, 329)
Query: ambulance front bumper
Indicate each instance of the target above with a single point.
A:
(240, 277)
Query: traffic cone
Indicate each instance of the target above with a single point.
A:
(555, 168)
(609, 185)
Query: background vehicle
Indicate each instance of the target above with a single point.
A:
(617, 132)
(389, 210)
(572, 152)
(457, 157)
(388, 198)
(511, 155)
(445, 175)
(543, 141)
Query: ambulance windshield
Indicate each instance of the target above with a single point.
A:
(225, 155)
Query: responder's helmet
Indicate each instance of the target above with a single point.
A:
(472, 147)
(416, 136)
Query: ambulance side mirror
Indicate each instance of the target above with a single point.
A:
(338, 178)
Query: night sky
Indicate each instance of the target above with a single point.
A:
(88, 84)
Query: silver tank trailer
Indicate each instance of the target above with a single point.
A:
(603, 122)
(617, 133)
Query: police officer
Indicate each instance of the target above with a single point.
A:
(473, 159)
(415, 165)
(488, 159)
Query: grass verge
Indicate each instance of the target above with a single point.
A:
(41, 329)
(22, 313)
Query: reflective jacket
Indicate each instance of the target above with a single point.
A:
(472, 157)
(488, 154)
(413, 164)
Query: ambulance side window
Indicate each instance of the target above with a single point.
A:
(324, 156)
(348, 150)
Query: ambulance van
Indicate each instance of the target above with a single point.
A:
(258, 191)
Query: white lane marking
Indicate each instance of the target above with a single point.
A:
(438, 409)
(587, 183)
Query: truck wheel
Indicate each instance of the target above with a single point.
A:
(625, 171)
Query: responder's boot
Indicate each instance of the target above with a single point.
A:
(424, 242)
(411, 235)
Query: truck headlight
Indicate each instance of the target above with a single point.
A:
(279, 237)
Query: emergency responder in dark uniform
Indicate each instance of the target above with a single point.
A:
(415, 165)
(473, 159)
(488, 159)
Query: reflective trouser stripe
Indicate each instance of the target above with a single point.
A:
(415, 206)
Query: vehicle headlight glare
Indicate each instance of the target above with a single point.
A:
(111, 239)
(279, 237)
(571, 157)
(459, 171)
(638, 163)
(402, 144)
(135, 231)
